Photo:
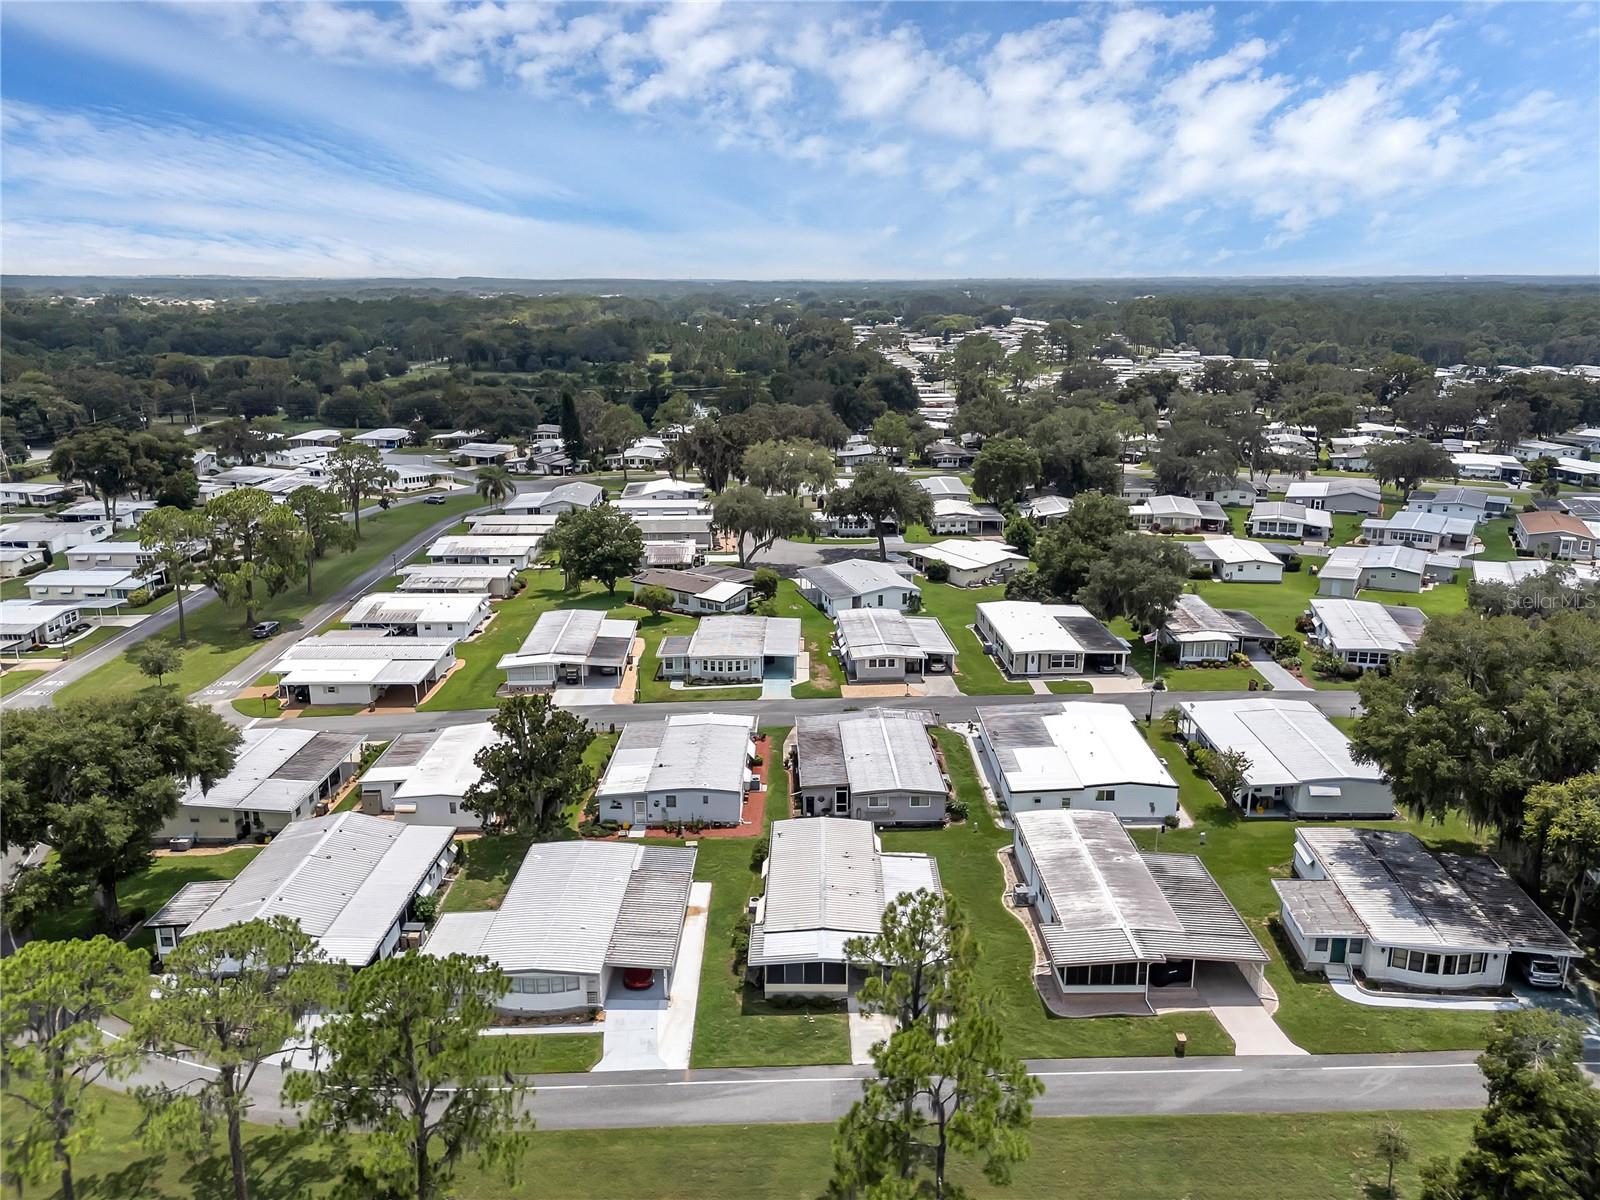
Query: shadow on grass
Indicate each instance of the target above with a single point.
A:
(280, 1169)
(138, 1178)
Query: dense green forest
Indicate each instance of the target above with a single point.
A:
(771, 362)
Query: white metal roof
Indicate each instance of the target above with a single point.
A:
(574, 635)
(968, 556)
(1406, 896)
(1361, 625)
(686, 752)
(391, 608)
(944, 485)
(108, 577)
(1028, 627)
(1113, 904)
(828, 881)
(746, 637)
(1282, 510)
(1070, 746)
(345, 878)
(888, 755)
(1285, 742)
(275, 770)
(577, 906)
(869, 632)
(338, 657)
(1234, 551)
(451, 577)
(858, 577)
(514, 545)
(442, 767)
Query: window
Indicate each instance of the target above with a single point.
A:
(330, 690)
(1105, 795)
(920, 802)
(1320, 945)
(1356, 946)
(877, 802)
(672, 802)
(452, 806)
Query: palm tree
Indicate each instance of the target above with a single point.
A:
(495, 484)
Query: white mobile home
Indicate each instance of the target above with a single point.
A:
(1075, 755)
(54, 536)
(701, 590)
(1115, 921)
(563, 498)
(1381, 903)
(388, 438)
(25, 624)
(460, 578)
(1234, 560)
(1299, 762)
(860, 583)
(743, 649)
(828, 882)
(517, 552)
(1363, 633)
(432, 615)
(424, 777)
(689, 767)
(1280, 519)
(570, 646)
(1027, 638)
(1428, 531)
(576, 917)
(1336, 495)
(1352, 569)
(971, 564)
(880, 765)
(281, 775)
(35, 495)
(350, 881)
(355, 666)
(1196, 632)
(883, 644)
(90, 589)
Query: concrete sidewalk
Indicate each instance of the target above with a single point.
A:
(1240, 1011)
(1281, 680)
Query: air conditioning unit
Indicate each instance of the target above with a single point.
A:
(1021, 895)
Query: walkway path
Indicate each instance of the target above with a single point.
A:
(1280, 679)
(1360, 995)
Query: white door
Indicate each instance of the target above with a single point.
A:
(639, 812)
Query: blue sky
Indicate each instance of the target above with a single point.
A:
(801, 141)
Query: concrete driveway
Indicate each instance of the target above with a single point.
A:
(650, 1030)
(1240, 1011)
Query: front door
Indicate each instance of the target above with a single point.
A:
(640, 814)
(1336, 951)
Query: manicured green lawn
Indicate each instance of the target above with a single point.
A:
(268, 708)
(148, 890)
(735, 1026)
(552, 1053)
(218, 636)
(475, 682)
(1184, 679)
(1245, 856)
(1256, 1156)
(1278, 604)
(1070, 687)
(653, 690)
(817, 630)
(970, 871)
(1496, 538)
(975, 672)
(16, 679)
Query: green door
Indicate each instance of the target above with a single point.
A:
(1337, 950)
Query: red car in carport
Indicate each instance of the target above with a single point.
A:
(637, 979)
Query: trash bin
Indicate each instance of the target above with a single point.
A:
(1180, 1045)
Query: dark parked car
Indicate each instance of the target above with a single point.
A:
(264, 629)
(637, 979)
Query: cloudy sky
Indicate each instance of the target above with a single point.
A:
(801, 140)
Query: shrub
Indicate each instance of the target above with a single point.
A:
(1200, 571)
(461, 853)
(765, 583)
(1170, 821)
(1349, 671)
(759, 852)
(957, 809)
(425, 908)
(1288, 646)
(139, 597)
(1303, 623)
(938, 572)
(1293, 563)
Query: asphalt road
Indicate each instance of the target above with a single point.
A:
(783, 712)
(1073, 1088)
(42, 692)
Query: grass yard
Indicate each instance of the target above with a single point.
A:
(1496, 538)
(735, 1026)
(1278, 604)
(1184, 679)
(1245, 856)
(148, 891)
(1215, 1157)
(218, 636)
(1070, 687)
(956, 608)
(475, 682)
(970, 871)
(653, 690)
(817, 630)
(16, 679)
(552, 1053)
